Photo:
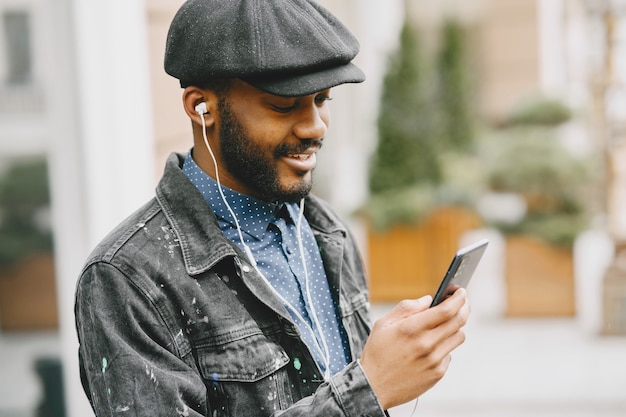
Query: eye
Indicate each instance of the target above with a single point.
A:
(321, 98)
(283, 104)
(284, 109)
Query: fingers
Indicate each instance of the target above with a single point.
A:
(443, 324)
(449, 334)
(455, 308)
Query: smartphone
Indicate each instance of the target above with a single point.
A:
(460, 270)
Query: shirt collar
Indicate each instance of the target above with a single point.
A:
(253, 215)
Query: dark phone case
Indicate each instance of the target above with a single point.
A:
(460, 270)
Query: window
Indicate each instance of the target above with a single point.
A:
(18, 48)
(18, 80)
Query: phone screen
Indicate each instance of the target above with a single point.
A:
(460, 270)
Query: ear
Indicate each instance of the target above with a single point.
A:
(192, 96)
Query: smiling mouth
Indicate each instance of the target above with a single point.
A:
(300, 156)
(302, 162)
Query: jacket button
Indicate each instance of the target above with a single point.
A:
(246, 268)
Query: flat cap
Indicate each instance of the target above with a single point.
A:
(283, 47)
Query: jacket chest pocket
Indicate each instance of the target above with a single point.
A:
(245, 374)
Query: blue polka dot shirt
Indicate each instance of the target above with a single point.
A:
(269, 229)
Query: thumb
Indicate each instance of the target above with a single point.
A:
(406, 308)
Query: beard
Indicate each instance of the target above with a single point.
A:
(249, 163)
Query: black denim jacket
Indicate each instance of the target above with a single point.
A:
(173, 321)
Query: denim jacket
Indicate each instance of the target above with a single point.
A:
(173, 321)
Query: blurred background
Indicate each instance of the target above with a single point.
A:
(503, 119)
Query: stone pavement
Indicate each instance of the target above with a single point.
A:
(528, 368)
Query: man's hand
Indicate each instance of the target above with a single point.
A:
(409, 349)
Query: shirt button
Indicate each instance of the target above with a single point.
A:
(289, 249)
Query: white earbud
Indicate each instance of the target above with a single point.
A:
(201, 108)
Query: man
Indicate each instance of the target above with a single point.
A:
(234, 292)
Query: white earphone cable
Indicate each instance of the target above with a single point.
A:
(322, 350)
(219, 187)
(308, 290)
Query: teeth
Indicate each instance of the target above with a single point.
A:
(299, 156)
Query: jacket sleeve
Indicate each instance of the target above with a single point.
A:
(129, 359)
(348, 393)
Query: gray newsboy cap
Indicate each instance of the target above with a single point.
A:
(283, 47)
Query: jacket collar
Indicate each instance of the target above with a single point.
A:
(197, 228)
(191, 218)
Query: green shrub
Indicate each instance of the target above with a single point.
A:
(24, 194)
(424, 120)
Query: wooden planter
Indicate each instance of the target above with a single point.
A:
(28, 298)
(409, 261)
(539, 278)
(614, 293)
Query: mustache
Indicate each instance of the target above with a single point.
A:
(304, 145)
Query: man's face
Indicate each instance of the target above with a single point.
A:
(268, 143)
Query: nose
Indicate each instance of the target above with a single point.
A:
(312, 123)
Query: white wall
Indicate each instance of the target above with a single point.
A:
(101, 136)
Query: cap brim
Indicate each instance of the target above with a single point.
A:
(305, 84)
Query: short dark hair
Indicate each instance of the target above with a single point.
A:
(217, 85)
